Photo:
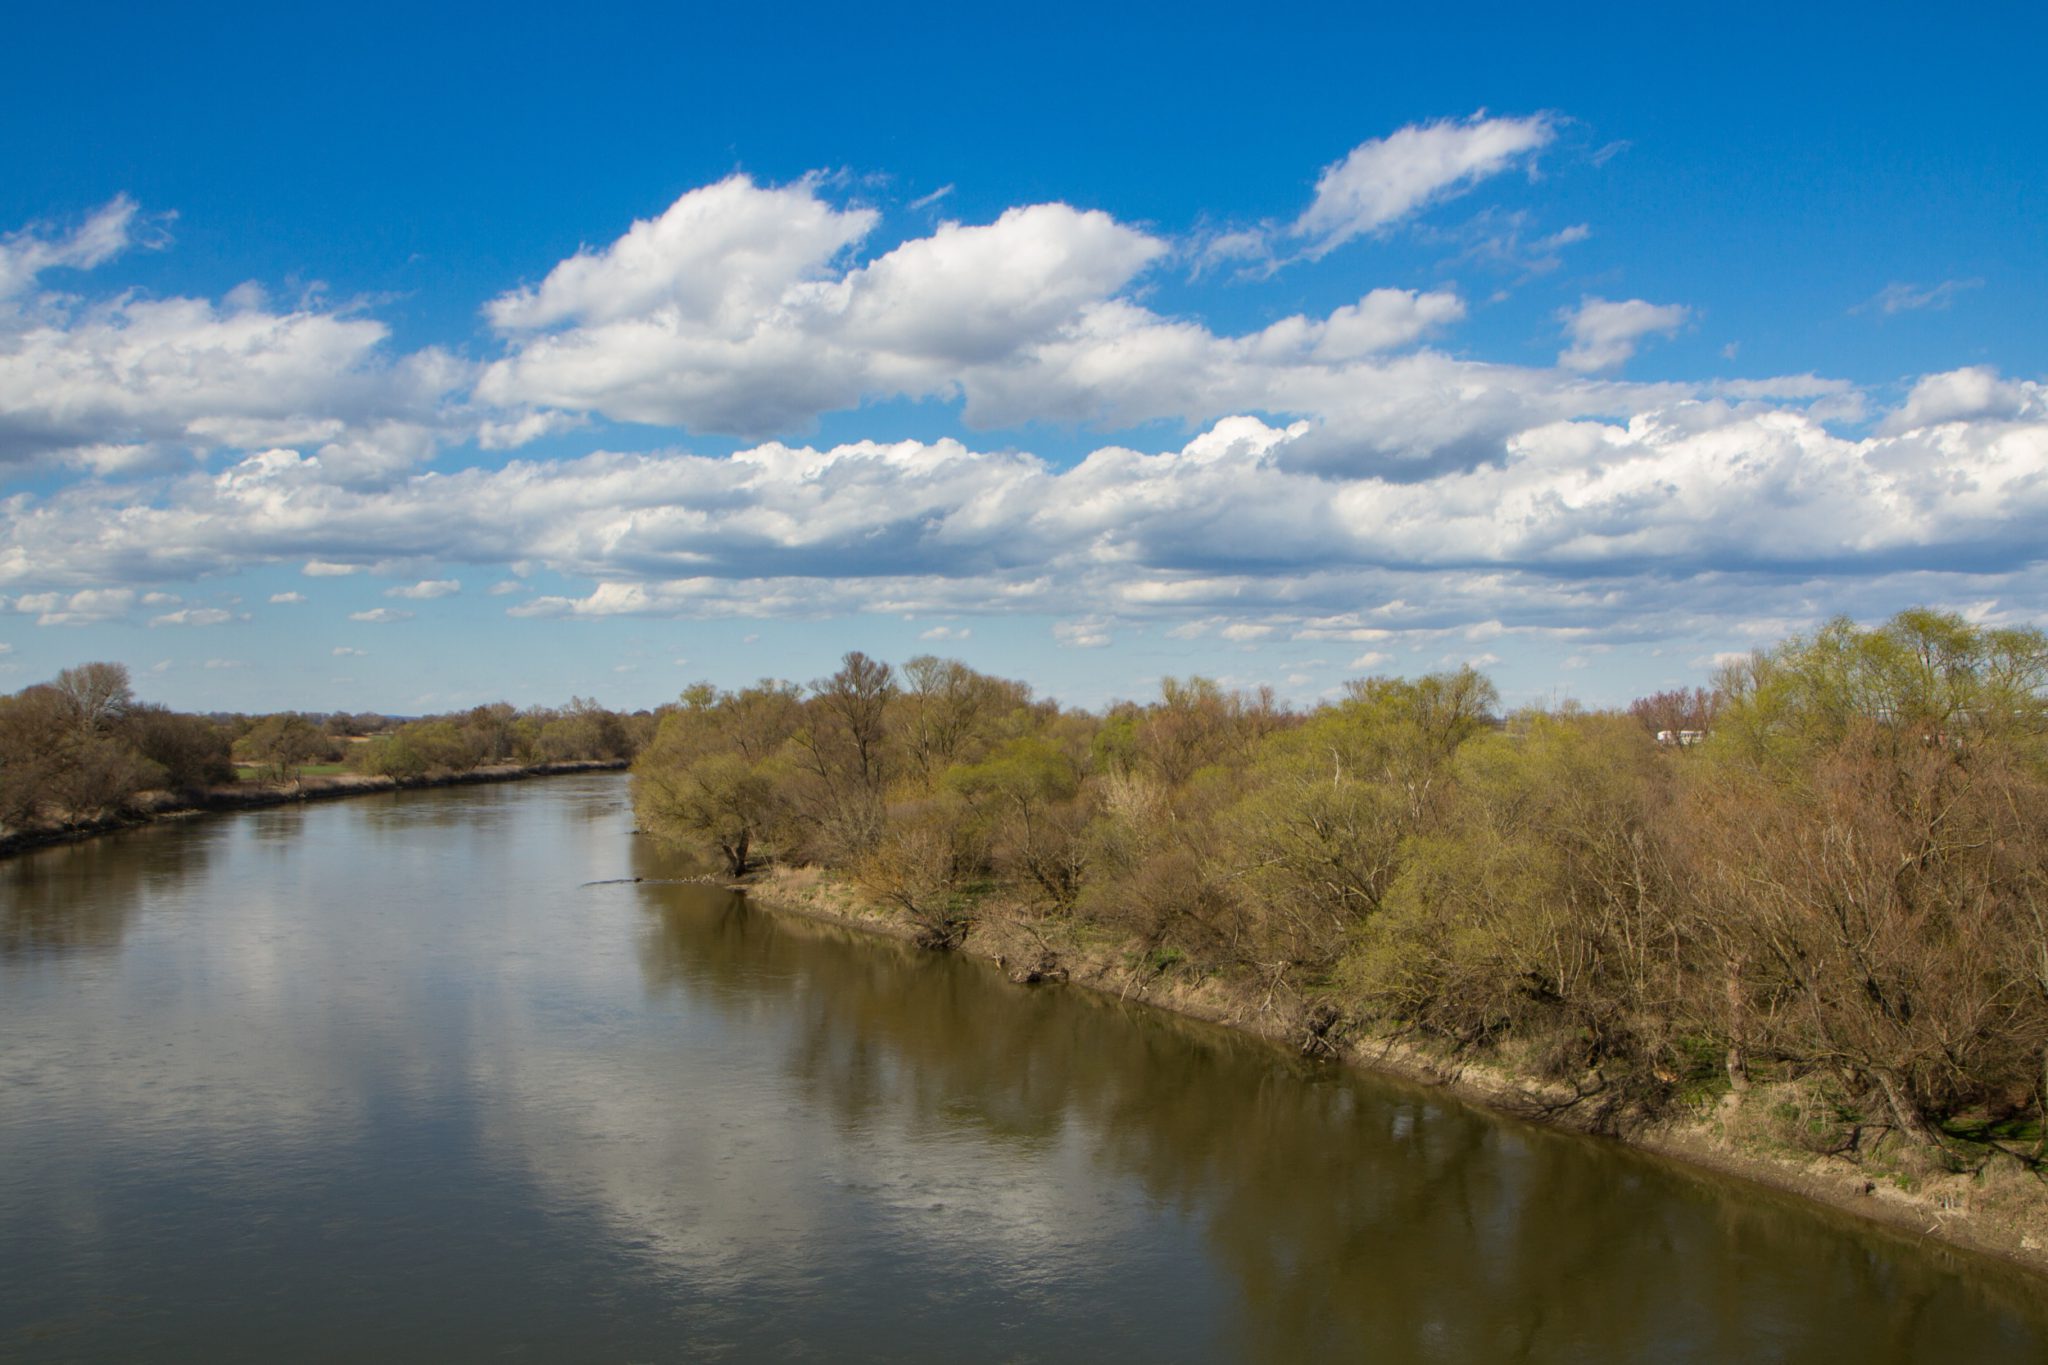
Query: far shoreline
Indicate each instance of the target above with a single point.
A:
(225, 799)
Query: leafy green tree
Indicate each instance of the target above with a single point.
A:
(718, 799)
(716, 775)
(1870, 846)
(1930, 675)
(584, 730)
(283, 744)
(843, 747)
(192, 751)
(1186, 731)
(395, 755)
(1846, 885)
(947, 713)
(930, 864)
(1028, 794)
(1538, 902)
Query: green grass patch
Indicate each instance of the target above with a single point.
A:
(2018, 1130)
(1157, 962)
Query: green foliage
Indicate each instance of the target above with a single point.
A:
(718, 799)
(1029, 772)
(80, 748)
(193, 751)
(1869, 853)
(1535, 902)
(1163, 959)
(424, 748)
(1026, 798)
(583, 730)
(949, 714)
(284, 743)
(719, 773)
(393, 756)
(1115, 748)
(1843, 888)
(498, 734)
(1929, 676)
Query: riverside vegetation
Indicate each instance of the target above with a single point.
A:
(1820, 931)
(81, 753)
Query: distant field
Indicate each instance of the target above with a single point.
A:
(249, 772)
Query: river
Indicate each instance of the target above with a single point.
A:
(390, 1078)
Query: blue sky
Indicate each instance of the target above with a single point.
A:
(380, 359)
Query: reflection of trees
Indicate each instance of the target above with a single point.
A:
(472, 810)
(466, 809)
(83, 895)
(1358, 1218)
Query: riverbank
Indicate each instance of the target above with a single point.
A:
(2001, 1212)
(159, 806)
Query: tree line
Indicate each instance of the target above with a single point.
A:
(1844, 884)
(81, 750)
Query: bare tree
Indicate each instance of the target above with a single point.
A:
(96, 696)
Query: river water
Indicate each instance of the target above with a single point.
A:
(387, 1078)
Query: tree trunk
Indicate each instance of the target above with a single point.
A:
(1738, 1030)
(736, 854)
(1906, 1111)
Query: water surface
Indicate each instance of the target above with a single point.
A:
(385, 1078)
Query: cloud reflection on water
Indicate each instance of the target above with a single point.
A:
(404, 1029)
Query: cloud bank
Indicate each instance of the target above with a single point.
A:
(1699, 491)
(1346, 471)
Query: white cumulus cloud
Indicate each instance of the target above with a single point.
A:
(426, 589)
(120, 383)
(194, 616)
(25, 255)
(1229, 528)
(1604, 333)
(1975, 393)
(740, 308)
(1899, 297)
(1333, 474)
(1090, 632)
(87, 606)
(1386, 179)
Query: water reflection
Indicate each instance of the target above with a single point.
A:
(390, 1075)
(460, 809)
(83, 896)
(1355, 1218)
(822, 1190)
